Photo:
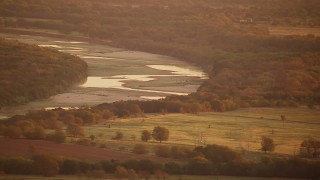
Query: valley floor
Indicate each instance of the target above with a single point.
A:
(241, 129)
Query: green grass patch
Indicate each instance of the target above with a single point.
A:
(291, 114)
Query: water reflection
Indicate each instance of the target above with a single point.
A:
(102, 82)
(70, 50)
(152, 97)
(180, 71)
(118, 82)
(153, 91)
(59, 107)
(95, 57)
(50, 45)
(63, 48)
(71, 42)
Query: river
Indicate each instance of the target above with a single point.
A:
(114, 74)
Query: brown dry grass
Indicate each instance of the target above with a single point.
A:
(26, 148)
(286, 30)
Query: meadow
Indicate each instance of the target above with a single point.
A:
(240, 129)
(287, 30)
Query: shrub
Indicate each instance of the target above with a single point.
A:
(103, 146)
(200, 166)
(69, 167)
(142, 165)
(58, 136)
(179, 152)
(162, 151)
(12, 132)
(132, 174)
(173, 168)
(46, 165)
(92, 137)
(237, 168)
(267, 144)
(310, 148)
(96, 174)
(75, 130)
(140, 149)
(83, 141)
(39, 133)
(146, 135)
(144, 174)
(84, 166)
(146, 166)
(17, 166)
(121, 172)
(31, 132)
(108, 166)
(118, 136)
(2, 127)
(159, 174)
(217, 154)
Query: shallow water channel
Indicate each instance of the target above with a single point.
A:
(116, 74)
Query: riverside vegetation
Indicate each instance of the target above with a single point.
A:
(30, 72)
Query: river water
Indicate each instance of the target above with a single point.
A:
(115, 74)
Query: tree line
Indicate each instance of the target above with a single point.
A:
(202, 160)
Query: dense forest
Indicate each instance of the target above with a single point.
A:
(230, 39)
(29, 72)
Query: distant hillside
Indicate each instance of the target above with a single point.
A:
(29, 72)
(229, 39)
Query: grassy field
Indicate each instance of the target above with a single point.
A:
(286, 30)
(241, 129)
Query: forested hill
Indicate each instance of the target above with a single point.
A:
(29, 72)
(230, 39)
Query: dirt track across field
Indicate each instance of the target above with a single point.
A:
(27, 148)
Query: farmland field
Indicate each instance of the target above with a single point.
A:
(241, 129)
(282, 30)
(27, 148)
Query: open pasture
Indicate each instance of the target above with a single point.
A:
(241, 129)
(284, 31)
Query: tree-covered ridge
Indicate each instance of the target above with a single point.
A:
(274, 79)
(230, 39)
(29, 72)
